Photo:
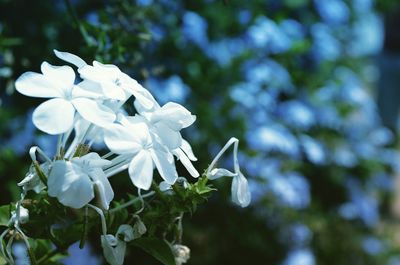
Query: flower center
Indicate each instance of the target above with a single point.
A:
(118, 82)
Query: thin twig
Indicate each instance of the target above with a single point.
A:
(129, 203)
(78, 24)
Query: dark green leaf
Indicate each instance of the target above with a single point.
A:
(158, 248)
(4, 215)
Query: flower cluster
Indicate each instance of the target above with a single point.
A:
(89, 108)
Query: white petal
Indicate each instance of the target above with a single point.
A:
(91, 160)
(107, 76)
(37, 85)
(103, 186)
(54, 116)
(164, 186)
(170, 138)
(141, 170)
(113, 249)
(94, 112)
(110, 240)
(109, 70)
(119, 139)
(56, 174)
(143, 100)
(188, 150)
(220, 172)
(70, 185)
(186, 162)
(139, 126)
(113, 91)
(165, 165)
(63, 76)
(71, 58)
(240, 191)
(126, 231)
(175, 115)
(99, 74)
(140, 102)
(142, 95)
(87, 89)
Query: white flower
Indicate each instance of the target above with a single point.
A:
(73, 182)
(32, 180)
(166, 122)
(114, 247)
(125, 232)
(240, 188)
(185, 154)
(56, 116)
(133, 139)
(113, 83)
(70, 58)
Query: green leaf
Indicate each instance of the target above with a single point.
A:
(296, 3)
(158, 248)
(4, 215)
(2, 261)
(68, 234)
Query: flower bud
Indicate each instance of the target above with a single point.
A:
(125, 232)
(139, 228)
(181, 253)
(23, 215)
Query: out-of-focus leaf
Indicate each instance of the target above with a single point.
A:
(158, 248)
(4, 215)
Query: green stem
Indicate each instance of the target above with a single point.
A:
(32, 257)
(85, 229)
(40, 173)
(78, 24)
(48, 255)
(133, 201)
(160, 194)
(179, 229)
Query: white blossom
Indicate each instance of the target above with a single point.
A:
(56, 115)
(240, 189)
(114, 247)
(133, 138)
(32, 180)
(166, 122)
(107, 78)
(73, 182)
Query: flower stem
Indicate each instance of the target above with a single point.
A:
(85, 229)
(115, 170)
(102, 218)
(48, 255)
(78, 24)
(133, 201)
(107, 155)
(217, 157)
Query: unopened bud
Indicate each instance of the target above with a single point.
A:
(181, 253)
(23, 215)
(125, 232)
(109, 240)
(139, 228)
